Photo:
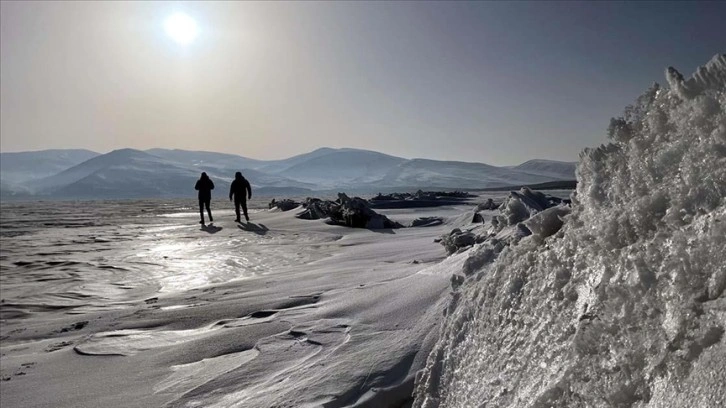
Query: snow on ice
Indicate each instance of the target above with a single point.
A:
(622, 306)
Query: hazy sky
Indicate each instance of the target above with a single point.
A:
(492, 82)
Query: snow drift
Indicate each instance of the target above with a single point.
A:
(622, 306)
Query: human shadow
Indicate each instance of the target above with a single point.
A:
(382, 230)
(211, 228)
(259, 229)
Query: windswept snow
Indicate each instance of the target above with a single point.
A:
(131, 304)
(625, 305)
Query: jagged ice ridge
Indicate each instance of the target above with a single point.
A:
(624, 305)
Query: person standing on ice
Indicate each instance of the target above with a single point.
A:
(242, 191)
(204, 186)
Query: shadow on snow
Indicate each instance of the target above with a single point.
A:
(260, 229)
(212, 229)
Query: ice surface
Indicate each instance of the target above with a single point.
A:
(131, 304)
(624, 305)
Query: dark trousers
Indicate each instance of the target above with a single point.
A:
(243, 204)
(205, 203)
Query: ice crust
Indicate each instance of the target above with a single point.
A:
(624, 305)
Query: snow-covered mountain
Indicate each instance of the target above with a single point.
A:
(164, 172)
(344, 167)
(222, 166)
(17, 168)
(552, 168)
(128, 173)
(124, 172)
(422, 173)
(207, 160)
(276, 166)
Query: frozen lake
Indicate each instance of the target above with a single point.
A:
(131, 303)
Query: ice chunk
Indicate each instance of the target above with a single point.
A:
(548, 221)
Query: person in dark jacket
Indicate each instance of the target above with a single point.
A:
(204, 186)
(242, 191)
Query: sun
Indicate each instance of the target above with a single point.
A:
(181, 28)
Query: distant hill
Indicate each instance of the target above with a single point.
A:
(222, 166)
(130, 173)
(17, 168)
(342, 167)
(452, 174)
(120, 173)
(551, 168)
(206, 159)
(276, 166)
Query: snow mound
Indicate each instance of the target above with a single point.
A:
(624, 304)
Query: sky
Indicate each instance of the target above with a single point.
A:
(492, 82)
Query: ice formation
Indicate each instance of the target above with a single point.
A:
(352, 212)
(523, 213)
(623, 305)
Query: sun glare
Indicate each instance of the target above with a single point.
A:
(181, 28)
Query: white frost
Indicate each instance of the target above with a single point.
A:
(625, 305)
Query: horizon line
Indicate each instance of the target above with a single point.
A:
(284, 158)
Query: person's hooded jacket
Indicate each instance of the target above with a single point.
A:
(204, 186)
(240, 188)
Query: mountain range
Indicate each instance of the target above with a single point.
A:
(130, 173)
